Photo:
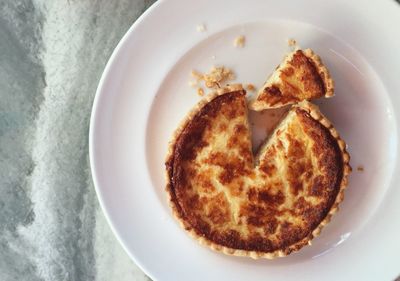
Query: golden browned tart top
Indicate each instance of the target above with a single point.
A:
(301, 76)
(263, 206)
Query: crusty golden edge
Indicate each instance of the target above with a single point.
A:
(196, 109)
(323, 72)
(314, 113)
(321, 68)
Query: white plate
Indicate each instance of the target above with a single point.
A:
(144, 93)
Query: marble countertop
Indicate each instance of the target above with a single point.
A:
(52, 54)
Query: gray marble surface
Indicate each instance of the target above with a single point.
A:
(52, 54)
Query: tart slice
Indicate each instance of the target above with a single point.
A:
(301, 76)
(264, 206)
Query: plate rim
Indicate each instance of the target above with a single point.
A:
(92, 125)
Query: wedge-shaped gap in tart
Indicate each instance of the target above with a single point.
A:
(266, 206)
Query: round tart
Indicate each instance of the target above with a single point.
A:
(301, 76)
(266, 205)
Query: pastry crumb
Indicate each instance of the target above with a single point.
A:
(360, 168)
(201, 28)
(197, 75)
(200, 92)
(239, 41)
(250, 87)
(217, 77)
(291, 42)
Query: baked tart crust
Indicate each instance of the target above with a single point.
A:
(264, 206)
(301, 76)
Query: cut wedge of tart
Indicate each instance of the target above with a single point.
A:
(301, 76)
(264, 206)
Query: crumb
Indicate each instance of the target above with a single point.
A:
(197, 75)
(200, 92)
(213, 57)
(360, 168)
(217, 77)
(291, 42)
(239, 41)
(201, 28)
(250, 87)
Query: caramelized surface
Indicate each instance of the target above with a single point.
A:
(296, 79)
(262, 204)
